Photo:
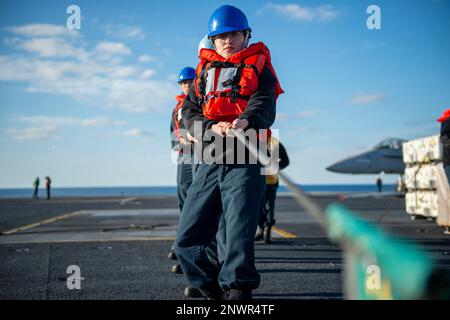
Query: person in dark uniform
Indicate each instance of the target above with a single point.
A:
(36, 188)
(185, 166)
(178, 139)
(48, 186)
(445, 139)
(267, 219)
(379, 184)
(235, 89)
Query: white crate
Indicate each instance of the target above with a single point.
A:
(409, 152)
(429, 149)
(420, 177)
(410, 201)
(422, 150)
(411, 177)
(427, 203)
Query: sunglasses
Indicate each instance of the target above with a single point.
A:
(231, 35)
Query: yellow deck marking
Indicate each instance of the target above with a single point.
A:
(284, 233)
(98, 240)
(40, 223)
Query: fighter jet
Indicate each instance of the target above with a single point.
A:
(387, 157)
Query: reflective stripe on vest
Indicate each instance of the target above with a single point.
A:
(225, 77)
(220, 89)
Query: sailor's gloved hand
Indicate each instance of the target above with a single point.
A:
(191, 138)
(240, 124)
(183, 141)
(221, 128)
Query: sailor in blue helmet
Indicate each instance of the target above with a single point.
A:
(178, 139)
(235, 88)
(217, 244)
(205, 43)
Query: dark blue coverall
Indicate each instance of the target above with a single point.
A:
(184, 164)
(186, 169)
(240, 189)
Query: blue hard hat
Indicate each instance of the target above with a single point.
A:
(187, 73)
(226, 19)
(205, 43)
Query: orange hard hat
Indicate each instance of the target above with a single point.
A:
(444, 116)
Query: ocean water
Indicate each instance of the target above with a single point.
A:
(147, 191)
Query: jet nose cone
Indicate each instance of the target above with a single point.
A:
(331, 168)
(343, 166)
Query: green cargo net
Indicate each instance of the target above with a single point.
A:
(377, 266)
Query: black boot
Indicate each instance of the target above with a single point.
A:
(213, 292)
(268, 234)
(259, 234)
(172, 254)
(191, 292)
(239, 294)
(176, 268)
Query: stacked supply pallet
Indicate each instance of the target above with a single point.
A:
(421, 157)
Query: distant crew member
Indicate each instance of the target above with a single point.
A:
(379, 184)
(267, 220)
(36, 188)
(445, 139)
(48, 185)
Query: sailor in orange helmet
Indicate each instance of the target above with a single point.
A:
(445, 139)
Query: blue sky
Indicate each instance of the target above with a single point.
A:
(92, 108)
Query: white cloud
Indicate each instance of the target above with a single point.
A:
(148, 73)
(366, 98)
(302, 13)
(124, 32)
(172, 77)
(326, 13)
(281, 116)
(136, 133)
(306, 114)
(99, 78)
(112, 48)
(102, 122)
(145, 58)
(42, 30)
(54, 122)
(295, 131)
(138, 95)
(52, 47)
(96, 122)
(46, 128)
(123, 71)
(38, 133)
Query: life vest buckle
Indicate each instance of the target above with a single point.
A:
(233, 95)
(227, 83)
